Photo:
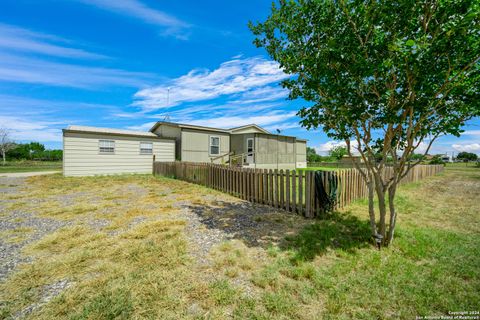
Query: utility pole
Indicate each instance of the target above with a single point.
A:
(167, 117)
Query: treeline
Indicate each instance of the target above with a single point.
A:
(334, 155)
(337, 153)
(33, 151)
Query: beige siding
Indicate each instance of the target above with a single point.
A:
(236, 144)
(247, 130)
(196, 145)
(273, 150)
(82, 156)
(168, 131)
(301, 147)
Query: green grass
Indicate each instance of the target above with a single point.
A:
(30, 166)
(323, 269)
(318, 168)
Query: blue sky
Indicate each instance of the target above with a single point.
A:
(111, 63)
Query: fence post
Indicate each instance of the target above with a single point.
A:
(300, 192)
(287, 187)
(294, 191)
(282, 190)
(307, 194)
(153, 165)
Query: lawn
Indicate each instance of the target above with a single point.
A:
(318, 168)
(143, 247)
(30, 166)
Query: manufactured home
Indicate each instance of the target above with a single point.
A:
(92, 151)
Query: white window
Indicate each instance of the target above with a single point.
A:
(214, 145)
(106, 146)
(146, 148)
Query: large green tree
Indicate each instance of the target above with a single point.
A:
(467, 156)
(387, 77)
(338, 152)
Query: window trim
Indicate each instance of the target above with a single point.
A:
(140, 148)
(100, 146)
(210, 145)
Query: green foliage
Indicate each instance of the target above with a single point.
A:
(338, 152)
(467, 156)
(437, 159)
(417, 156)
(384, 76)
(312, 155)
(33, 151)
(382, 63)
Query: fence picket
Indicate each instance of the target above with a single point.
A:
(287, 189)
(290, 190)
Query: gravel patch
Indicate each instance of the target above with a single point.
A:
(47, 293)
(10, 251)
(214, 219)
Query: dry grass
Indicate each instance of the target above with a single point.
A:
(137, 264)
(16, 235)
(448, 201)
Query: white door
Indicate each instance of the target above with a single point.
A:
(250, 151)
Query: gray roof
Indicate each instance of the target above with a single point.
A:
(112, 131)
(191, 126)
(188, 126)
(250, 125)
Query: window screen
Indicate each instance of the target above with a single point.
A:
(146, 147)
(106, 146)
(214, 145)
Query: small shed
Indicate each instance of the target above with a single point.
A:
(98, 151)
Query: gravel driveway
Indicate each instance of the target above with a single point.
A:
(26, 174)
(29, 213)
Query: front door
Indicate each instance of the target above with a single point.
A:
(250, 151)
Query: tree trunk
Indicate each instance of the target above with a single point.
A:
(371, 207)
(393, 213)
(4, 157)
(382, 206)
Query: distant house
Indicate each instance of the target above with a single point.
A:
(91, 150)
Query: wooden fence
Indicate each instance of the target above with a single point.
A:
(290, 190)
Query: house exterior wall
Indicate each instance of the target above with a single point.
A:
(236, 144)
(82, 156)
(274, 151)
(196, 145)
(246, 130)
(301, 154)
(167, 131)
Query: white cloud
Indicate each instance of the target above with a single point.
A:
(232, 77)
(30, 70)
(227, 122)
(13, 38)
(471, 147)
(139, 10)
(263, 94)
(471, 133)
(231, 122)
(23, 130)
(422, 147)
(283, 126)
(142, 127)
(324, 148)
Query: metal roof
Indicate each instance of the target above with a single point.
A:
(190, 126)
(112, 131)
(187, 126)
